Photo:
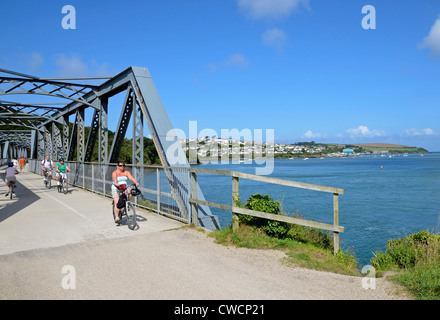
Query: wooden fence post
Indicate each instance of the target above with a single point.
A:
(336, 221)
(235, 197)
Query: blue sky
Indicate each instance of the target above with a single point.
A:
(305, 68)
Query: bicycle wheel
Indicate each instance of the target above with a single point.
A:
(130, 213)
(64, 186)
(11, 190)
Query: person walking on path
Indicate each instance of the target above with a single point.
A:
(22, 164)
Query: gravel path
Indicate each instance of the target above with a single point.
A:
(176, 264)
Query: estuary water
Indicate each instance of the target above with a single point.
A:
(385, 197)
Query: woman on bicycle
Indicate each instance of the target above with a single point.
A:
(61, 169)
(120, 178)
(10, 179)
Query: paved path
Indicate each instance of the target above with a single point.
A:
(43, 218)
(50, 242)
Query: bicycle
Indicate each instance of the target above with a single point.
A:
(47, 179)
(127, 207)
(63, 185)
(11, 185)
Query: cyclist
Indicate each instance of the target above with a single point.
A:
(120, 178)
(10, 173)
(47, 166)
(61, 168)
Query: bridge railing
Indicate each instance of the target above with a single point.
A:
(157, 194)
(4, 161)
(160, 196)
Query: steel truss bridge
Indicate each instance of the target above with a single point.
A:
(36, 129)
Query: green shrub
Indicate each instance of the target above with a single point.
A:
(281, 230)
(407, 252)
(418, 258)
(265, 203)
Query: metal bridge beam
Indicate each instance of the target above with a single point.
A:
(141, 102)
(103, 130)
(122, 127)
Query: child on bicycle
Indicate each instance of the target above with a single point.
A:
(61, 168)
(10, 179)
(120, 178)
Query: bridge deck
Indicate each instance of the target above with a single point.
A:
(41, 218)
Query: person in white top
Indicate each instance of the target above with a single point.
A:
(47, 165)
(10, 173)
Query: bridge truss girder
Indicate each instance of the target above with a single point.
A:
(48, 130)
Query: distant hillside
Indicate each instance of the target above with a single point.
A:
(392, 148)
(382, 145)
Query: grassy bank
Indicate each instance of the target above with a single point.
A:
(300, 254)
(304, 246)
(416, 260)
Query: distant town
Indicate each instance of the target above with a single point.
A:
(209, 148)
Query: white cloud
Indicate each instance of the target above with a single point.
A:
(75, 66)
(212, 67)
(313, 135)
(428, 131)
(274, 38)
(36, 61)
(270, 9)
(236, 59)
(432, 41)
(423, 132)
(363, 131)
(71, 66)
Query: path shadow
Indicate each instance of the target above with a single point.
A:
(23, 197)
(139, 218)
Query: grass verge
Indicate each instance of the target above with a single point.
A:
(299, 254)
(416, 259)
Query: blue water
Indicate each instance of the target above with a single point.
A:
(384, 197)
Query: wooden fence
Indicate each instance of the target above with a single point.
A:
(236, 176)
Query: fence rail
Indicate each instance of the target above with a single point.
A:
(335, 228)
(179, 200)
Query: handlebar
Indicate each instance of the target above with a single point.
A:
(134, 189)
